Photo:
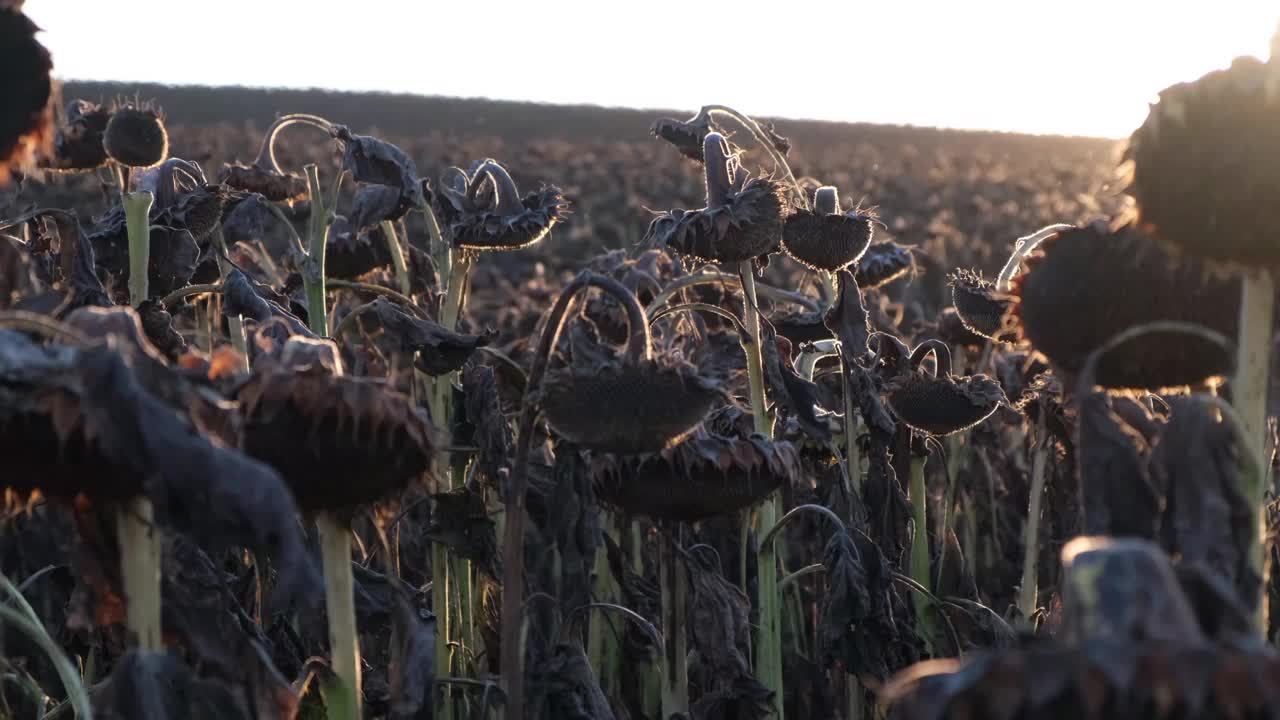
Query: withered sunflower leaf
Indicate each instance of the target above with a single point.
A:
(797, 395)
(440, 351)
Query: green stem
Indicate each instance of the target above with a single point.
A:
(397, 257)
(1027, 593)
(769, 639)
(852, 460)
(312, 270)
(440, 402)
(137, 217)
(339, 594)
(920, 547)
(138, 539)
(675, 668)
(603, 649)
(139, 542)
(1249, 388)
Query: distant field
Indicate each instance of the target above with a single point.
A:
(958, 194)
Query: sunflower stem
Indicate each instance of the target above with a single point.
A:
(443, 580)
(512, 625)
(602, 642)
(139, 542)
(138, 539)
(769, 639)
(675, 667)
(266, 159)
(312, 269)
(1027, 593)
(920, 548)
(397, 257)
(852, 460)
(343, 701)
(1249, 388)
(137, 214)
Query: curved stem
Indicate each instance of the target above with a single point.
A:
(800, 510)
(654, 634)
(1087, 372)
(512, 660)
(1023, 247)
(789, 580)
(762, 138)
(182, 293)
(941, 356)
(889, 349)
(709, 277)
(700, 307)
(386, 292)
(266, 159)
(504, 188)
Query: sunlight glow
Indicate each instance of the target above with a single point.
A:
(1087, 67)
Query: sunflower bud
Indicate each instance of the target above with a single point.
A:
(136, 137)
(26, 120)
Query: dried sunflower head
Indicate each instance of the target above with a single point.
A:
(826, 238)
(686, 135)
(940, 403)
(78, 144)
(703, 476)
(267, 182)
(629, 402)
(882, 263)
(743, 218)
(1084, 286)
(26, 120)
(1204, 172)
(136, 137)
(982, 309)
(339, 442)
(483, 210)
(625, 406)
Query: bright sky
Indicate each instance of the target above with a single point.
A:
(1087, 67)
